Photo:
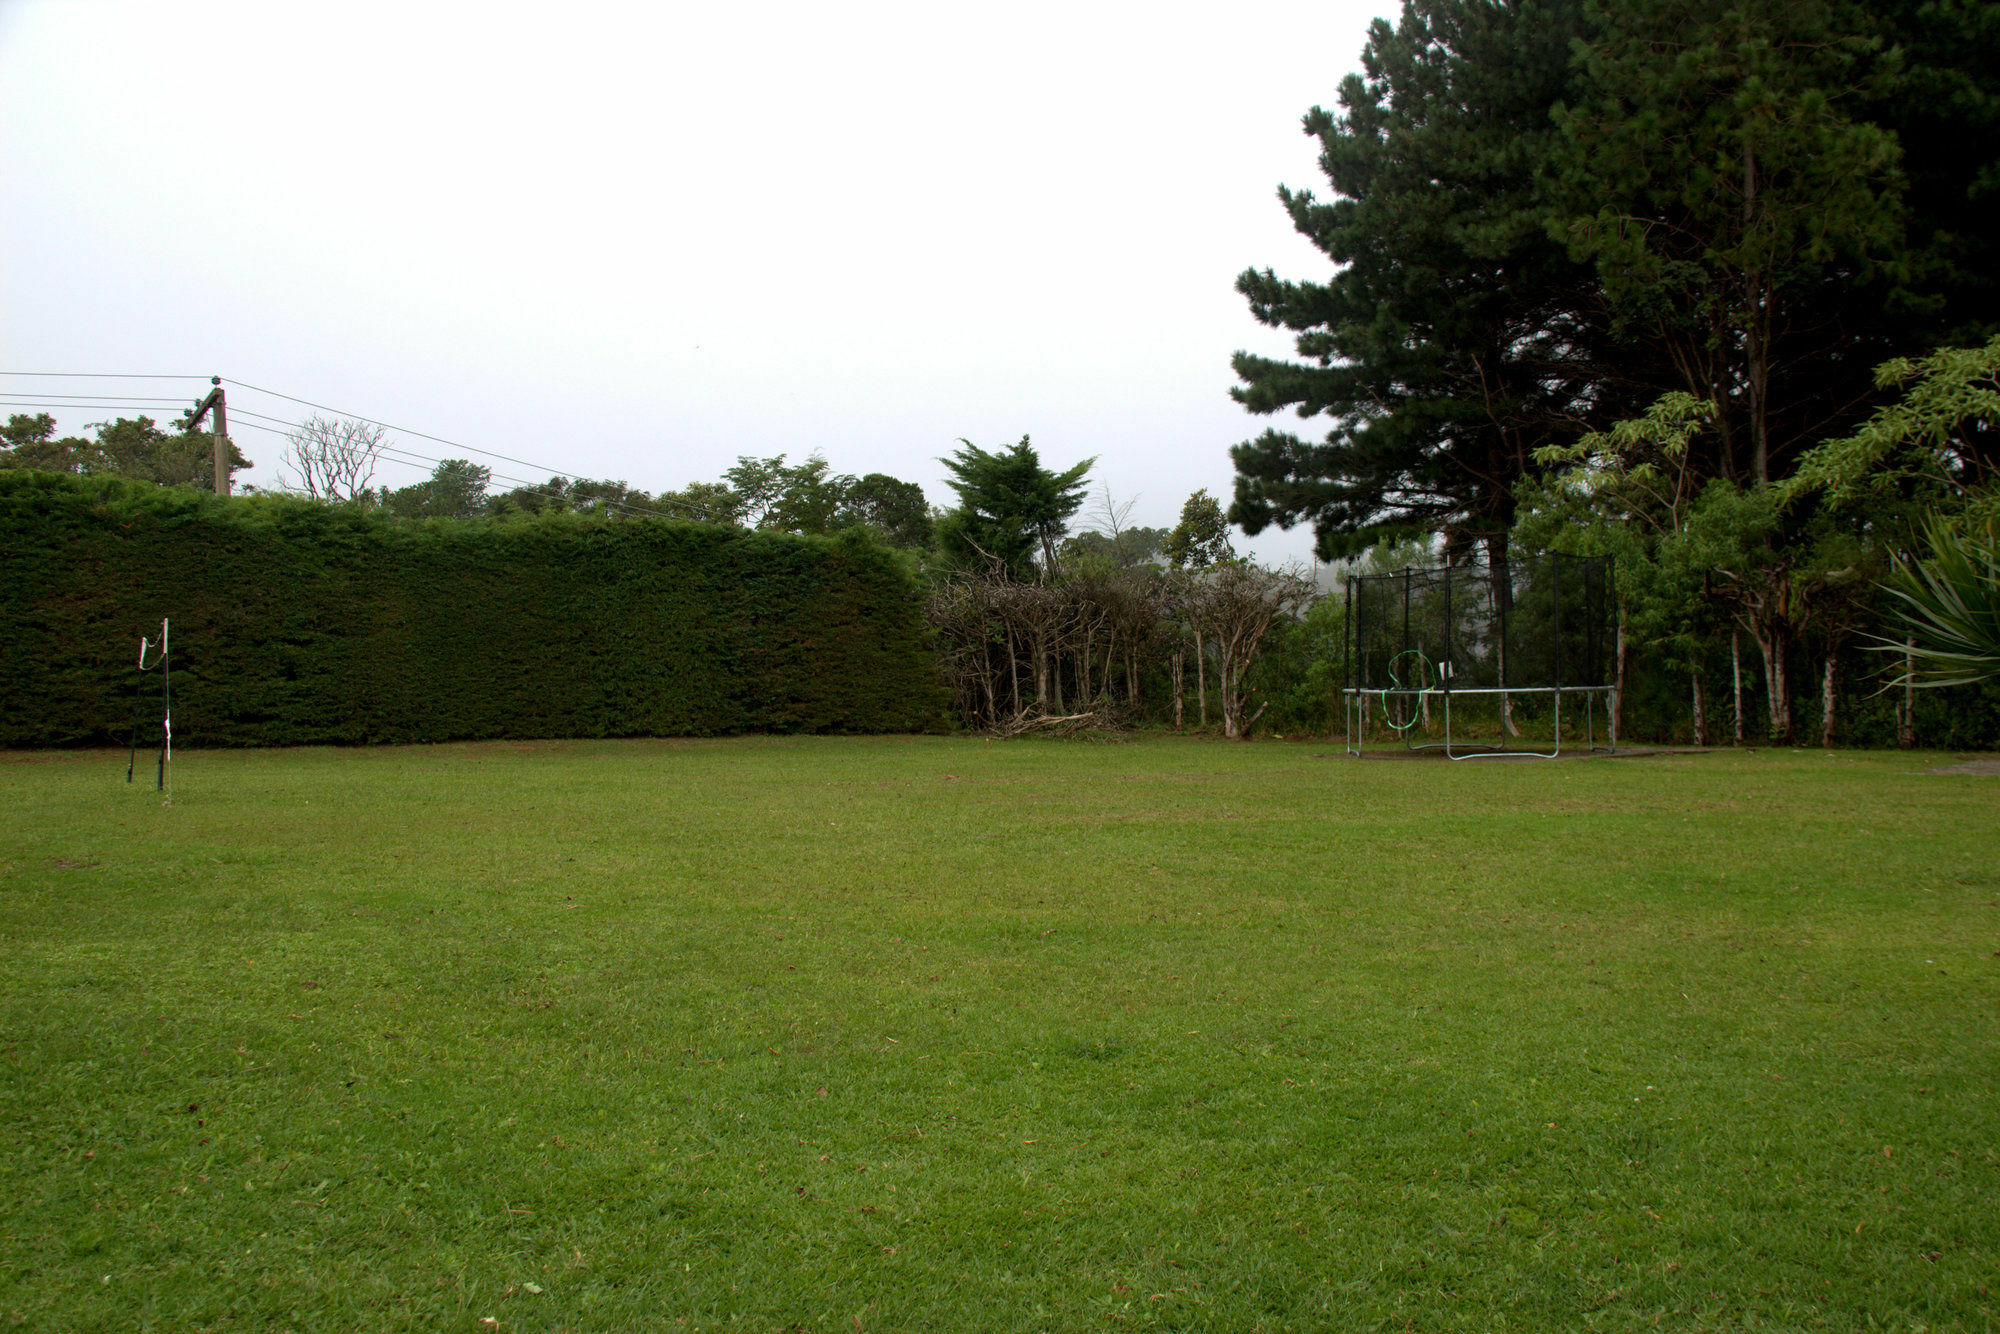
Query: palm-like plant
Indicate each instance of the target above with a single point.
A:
(1949, 607)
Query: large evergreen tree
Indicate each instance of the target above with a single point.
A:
(1547, 212)
(1455, 336)
(1742, 216)
(1939, 92)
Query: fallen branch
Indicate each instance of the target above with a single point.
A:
(1105, 719)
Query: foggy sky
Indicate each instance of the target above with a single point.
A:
(640, 241)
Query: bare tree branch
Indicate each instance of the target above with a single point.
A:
(334, 457)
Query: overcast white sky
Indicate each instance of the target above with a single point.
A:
(637, 241)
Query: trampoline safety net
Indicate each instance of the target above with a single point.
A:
(1486, 654)
(1531, 623)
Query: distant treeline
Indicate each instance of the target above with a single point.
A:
(572, 609)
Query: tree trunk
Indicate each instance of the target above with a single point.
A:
(1771, 644)
(1826, 700)
(1906, 719)
(986, 679)
(1201, 678)
(1014, 670)
(1736, 673)
(1503, 603)
(1179, 669)
(1700, 717)
(1618, 681)
(1756, 342)
(1226, 657)
(1718, 393)
(1041, 652)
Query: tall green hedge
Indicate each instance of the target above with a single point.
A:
(297, 623)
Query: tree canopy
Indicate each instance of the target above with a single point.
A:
(1452, 337)
(1546, 213)
(1010, 507)
(1741, 215)
(1201, 538)
(456, 489)
(131, 447)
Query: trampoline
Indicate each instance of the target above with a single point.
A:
(1519, 638)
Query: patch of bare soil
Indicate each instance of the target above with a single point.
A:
(1988, 768)
(1568, 753)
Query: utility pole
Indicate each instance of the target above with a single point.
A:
(218, 403)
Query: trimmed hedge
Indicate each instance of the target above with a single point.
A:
(298, 623)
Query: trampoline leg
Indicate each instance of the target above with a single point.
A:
(1500, 750)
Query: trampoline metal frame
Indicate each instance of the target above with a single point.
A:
(1356, 698)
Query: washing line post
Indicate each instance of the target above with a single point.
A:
(166, 704)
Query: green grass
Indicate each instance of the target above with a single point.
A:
(913, 1033)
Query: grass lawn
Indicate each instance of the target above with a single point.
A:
(948, 1034)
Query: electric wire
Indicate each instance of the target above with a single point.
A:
(45, 401)
(410, 457)
(286, 429)
(136, 401)
(436, 439)
(404, 456)
(98, 398)
(98, 375)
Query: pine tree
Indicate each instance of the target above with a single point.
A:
(1456, 335)
(1740, 214)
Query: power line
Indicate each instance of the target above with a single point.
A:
(397, 454)
(406, 456)
(388, 426)
(409, 457)
(97, 375)
(400, 455)
(138, 405)
(81, 399)
(135, 401)
(702, 510)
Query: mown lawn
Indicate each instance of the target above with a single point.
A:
(948, 1034)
